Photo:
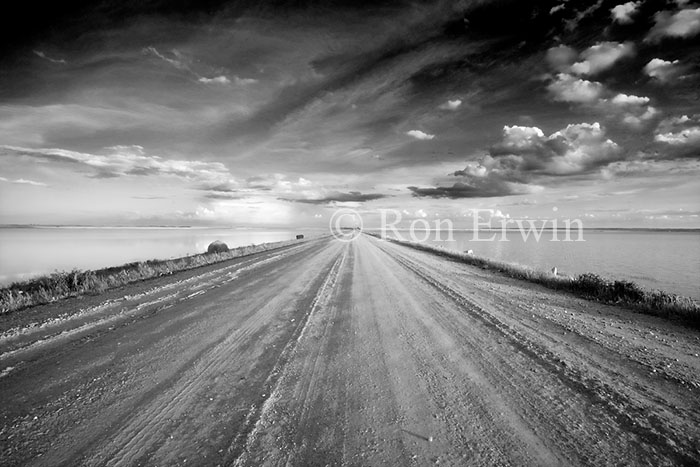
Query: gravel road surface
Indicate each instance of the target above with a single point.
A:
(331, 353)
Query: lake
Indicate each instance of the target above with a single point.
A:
(29, 252)
(663, 260)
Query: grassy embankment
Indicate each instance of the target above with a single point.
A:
(49, 288)
(590, 286)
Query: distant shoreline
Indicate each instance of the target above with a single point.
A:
(549, 229)
(485, 229)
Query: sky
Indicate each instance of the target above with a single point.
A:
(278, 113)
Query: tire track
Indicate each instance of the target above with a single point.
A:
(288, 375)
(135, 441)
(21, 342)
(647, 427)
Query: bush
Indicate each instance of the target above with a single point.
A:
(217, 246)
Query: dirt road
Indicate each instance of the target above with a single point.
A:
(330, 353)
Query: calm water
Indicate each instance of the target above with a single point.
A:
(657, 260)
(667, 261)
(25, 253)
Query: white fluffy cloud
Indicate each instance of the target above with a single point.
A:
(568, 88)
(420, 135)
(577, 148)
(623, 13)
(632, 111)
(451, 104)
(600, 57)
(679, 131)
(661, 70)
(624, 99)
(521, 137)
(216, 80)
(585, 145)
(685, 23)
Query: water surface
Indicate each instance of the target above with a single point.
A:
(29, 252)
(664, 260)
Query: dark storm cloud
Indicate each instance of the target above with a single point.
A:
(338, 197)
(220, 188)
(462, 190)
(224, 196)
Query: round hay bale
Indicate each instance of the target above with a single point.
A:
(217, 246)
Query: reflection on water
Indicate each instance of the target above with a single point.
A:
(28, 252)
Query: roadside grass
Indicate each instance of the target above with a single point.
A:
(588, 285)
(63, 284)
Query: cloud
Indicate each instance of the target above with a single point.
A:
(420, 135)
(22, 181)
(600, 57)
(282, 184)
(650, 168)
(679, 131)
(633, 110)
(685, 23)
(339, 197)
(624, 99)
(41, 54)
(567, 88)
(486, 177)
(516, 138)
(224, 80)
(561, 57)
(623, 13)
(175, 58)
(573, 23)
(557, 8)
(460, 190)
(220, 196)
(451, 105)
(638, 119)
(244, 81)
(216, 80)
(661, 70)
(180, 61)
(576, 149)
(129, 161)
(525, 160)
(230, 186)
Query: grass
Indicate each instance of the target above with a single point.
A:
(63, 284)
(589, 286)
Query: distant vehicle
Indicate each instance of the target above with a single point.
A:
(300, 236)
